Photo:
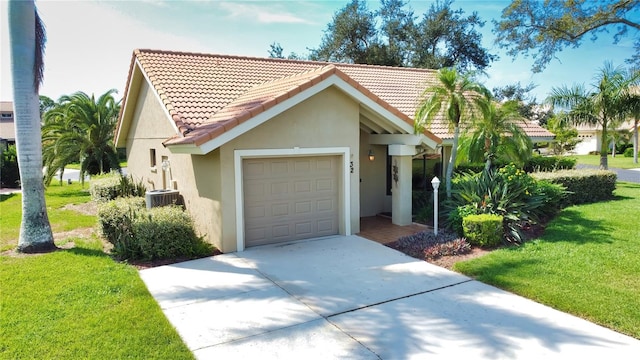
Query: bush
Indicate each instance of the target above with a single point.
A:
(554, 196)
(114, 185)
(104, 188)
(549, 163)
(138, 233)
(167, 232)
(484, 230)
(9, 172)
(455, 216)
(114, 220)
(508, 192)
(628, 152)
(583, 186)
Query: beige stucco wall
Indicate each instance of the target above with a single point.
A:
(373, 180)
(328, 119)
(200, 188)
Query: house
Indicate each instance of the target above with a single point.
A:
(272, 150)
(7, 124)
(591, 137)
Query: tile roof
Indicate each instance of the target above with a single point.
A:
(207, 94)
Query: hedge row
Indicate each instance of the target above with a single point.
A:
(583, 186)
(536, 163)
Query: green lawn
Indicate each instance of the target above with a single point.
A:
(619, 161)
(587, 263)
(80, 304)
(76, 303)
(57, 197)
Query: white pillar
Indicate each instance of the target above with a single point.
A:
(401, 171)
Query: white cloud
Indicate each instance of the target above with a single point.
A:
(89, 47)
(266, 14)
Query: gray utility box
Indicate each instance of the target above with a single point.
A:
(161, 197)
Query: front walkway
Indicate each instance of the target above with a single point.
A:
(381, 230)
(346, 297)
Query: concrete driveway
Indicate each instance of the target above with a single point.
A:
(351, 298)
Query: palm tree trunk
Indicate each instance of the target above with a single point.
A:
(604, 147)
(452, 159)
(35, 230)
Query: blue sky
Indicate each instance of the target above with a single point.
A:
(90, 42)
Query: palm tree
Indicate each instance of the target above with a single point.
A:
(451, 99)
(497, 134)
(81, 128)
(27, 49)
(603, 105)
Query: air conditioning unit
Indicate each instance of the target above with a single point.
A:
(161, 197)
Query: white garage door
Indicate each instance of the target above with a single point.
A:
(290, 198)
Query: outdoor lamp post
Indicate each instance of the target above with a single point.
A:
(435, 183)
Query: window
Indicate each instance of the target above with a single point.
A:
(7, 115)
(152, 157)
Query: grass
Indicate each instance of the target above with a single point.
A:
(619, 161)
(586, 263)
(76, 303)
(80, 304)
(57, 197)
(76, 166)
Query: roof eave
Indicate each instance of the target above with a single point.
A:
(338, 79)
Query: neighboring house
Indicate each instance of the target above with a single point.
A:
(7, 124)
(591, 136)
(270, 150)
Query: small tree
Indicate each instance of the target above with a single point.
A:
(566, 136)
(604, 105)
(452, 99)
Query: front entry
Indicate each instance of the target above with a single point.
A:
(290, 198)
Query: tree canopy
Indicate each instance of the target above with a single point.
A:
(80, 128)
(443, 38)
(542, 28)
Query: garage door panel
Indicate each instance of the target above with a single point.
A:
(302, 200)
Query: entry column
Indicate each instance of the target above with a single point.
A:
(401, 172)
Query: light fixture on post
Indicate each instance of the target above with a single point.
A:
(371, 155)
(435, 183)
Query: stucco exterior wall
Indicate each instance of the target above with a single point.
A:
(196, 177)
(373, 180)
(328, 119)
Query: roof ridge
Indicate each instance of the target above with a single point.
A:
(295, 61)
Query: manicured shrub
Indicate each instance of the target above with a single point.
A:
(455, 216)
(138, 233)
(114, 185)
(549, 163)
(484, 230)
(584, 185)
(628, 152)
(9, 172)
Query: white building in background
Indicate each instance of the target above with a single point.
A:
(7, 124)
(591, 136)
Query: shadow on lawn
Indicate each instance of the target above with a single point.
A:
(86, 252)
(571, 226)
(5, 197)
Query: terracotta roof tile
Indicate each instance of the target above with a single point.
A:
(208, 94)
